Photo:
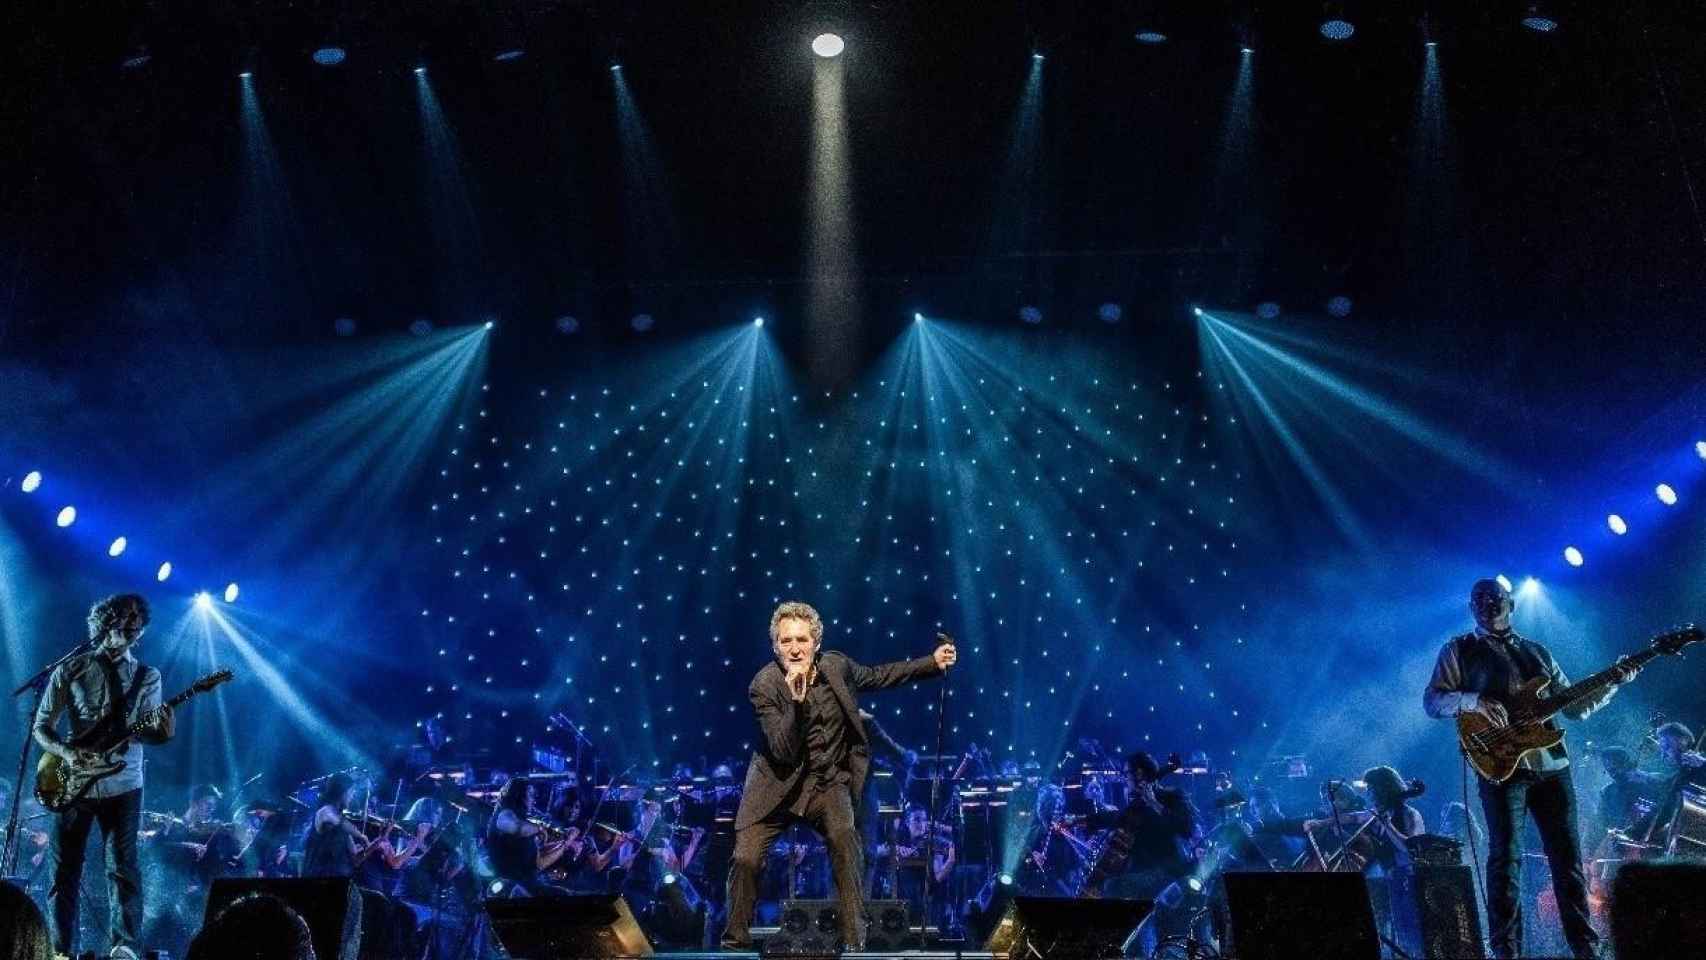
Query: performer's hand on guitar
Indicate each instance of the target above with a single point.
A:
(1625, 673)
(1494, 712)
(946, 655)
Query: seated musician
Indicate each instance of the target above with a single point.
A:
(1155, 828)
(1390, 796)
(1620, 800)
(902, 863)
(1054, 857)
(513, 842)
(1683, 767)
(332, 841)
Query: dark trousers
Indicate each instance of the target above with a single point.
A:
(1551, 798)
(829, 811)
(119, 818)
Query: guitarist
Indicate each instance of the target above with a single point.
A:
(1472, 671)
(102, 693)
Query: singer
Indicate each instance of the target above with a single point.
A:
(811, 765)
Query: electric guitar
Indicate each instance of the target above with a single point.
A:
(60, 783)
(1495, 752)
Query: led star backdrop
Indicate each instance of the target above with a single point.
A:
(611, 544)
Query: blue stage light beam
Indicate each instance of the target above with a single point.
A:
(650, 226)
(458, 244)
(833, 311)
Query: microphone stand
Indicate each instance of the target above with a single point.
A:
(935, 783)
(9, 853)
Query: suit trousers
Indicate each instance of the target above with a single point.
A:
(119, 818)
(829, 811)
(1551, 798)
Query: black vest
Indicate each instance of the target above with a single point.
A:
(514, 857)
(1488, 670)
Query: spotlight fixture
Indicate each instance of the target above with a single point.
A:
(1504, 581)
(344, 327)
(204, 601)
(231, 593)
(1151, 36)
(420, 327)
(918, 318)
(1617, 525)
(758, 321)
(420, 71)
(164, 572)
(117, 547)
(1663, 491)
(1336, 29)
(1037, 55)
(330, 56)
(490, 324)
(510, 55)
(138, 59)
(828, 45)
(1030, 315)
(1267, 310)
(1109, 312)
(1539, 20)
(67, 516)
(1699, 449)
(1572, 556)
(642, 322)
(1196, 311)
(615, 66)
(1246, 51)
(568, 324)
(246, 75)
(32, 481)
(1530, 586)
(1339, 306)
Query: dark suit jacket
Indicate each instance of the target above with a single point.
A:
(780, 760)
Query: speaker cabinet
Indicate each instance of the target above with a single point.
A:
(1436, 914)
(567, 928)
(1283, 915)
(1658, 910)
(1065, 928)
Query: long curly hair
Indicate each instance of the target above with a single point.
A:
(115, 611)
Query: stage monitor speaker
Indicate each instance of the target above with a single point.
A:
(1435, 913)
(1658, 910)
(567, 928)
(330, 905)
(1067, 928)
(812, 928)
(1282, 915)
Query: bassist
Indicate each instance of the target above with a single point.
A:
(103, 692)
(1473, 674)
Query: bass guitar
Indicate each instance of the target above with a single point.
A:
(60, 783)
(1495, 752)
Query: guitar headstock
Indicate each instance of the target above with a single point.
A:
(211, 680)
(1673, 641)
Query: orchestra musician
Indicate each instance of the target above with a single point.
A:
(811, 763)
(901, 860)
(332, 841)
(1471, 675)
(103, 692)
(513, 842)
(1157, 825)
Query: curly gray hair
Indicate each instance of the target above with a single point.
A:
(795, 610)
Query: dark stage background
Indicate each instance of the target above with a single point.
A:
(245, 325)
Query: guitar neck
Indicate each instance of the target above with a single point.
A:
(1591, 687)
(143, 721)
